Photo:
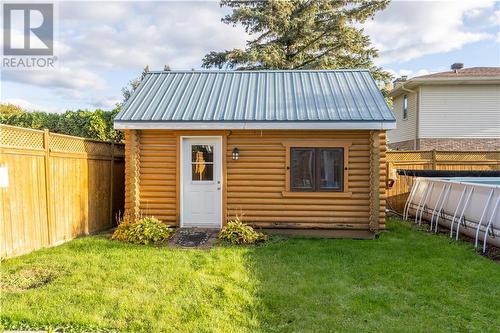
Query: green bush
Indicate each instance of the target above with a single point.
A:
(143, 231)
(96, 124)
(237, 232)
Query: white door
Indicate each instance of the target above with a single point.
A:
(201, 176)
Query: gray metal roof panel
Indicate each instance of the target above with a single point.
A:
(322, 95)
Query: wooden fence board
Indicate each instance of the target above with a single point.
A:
(433, 160)
(60, 187)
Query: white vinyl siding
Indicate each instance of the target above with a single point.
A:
(459, 111)
(406, 128)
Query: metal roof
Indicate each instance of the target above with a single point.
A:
(225, 97)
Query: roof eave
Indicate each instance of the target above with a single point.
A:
(415, 82)
(257, 125)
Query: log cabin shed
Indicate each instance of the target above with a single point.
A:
(297, 152)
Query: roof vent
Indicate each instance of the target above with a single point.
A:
(400, 79)
(457, 66)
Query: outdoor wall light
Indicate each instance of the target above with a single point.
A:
(236, 153)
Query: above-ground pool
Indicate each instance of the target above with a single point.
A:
(495, 181)
(467, 205)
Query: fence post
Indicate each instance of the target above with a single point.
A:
(48, 203)
(111, 185)
(434, 159)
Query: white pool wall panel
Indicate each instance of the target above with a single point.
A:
(483, 198)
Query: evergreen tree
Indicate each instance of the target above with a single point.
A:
(300, 34)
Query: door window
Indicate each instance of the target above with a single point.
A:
(202, 162)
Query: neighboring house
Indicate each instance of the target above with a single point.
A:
(298, 151)
(454, 110)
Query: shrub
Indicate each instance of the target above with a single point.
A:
(237, 232)
(143, 231)
(96, 124)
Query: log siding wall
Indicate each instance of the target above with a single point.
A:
(255, 183)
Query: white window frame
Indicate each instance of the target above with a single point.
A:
(405, 107)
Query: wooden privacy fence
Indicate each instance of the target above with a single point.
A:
(59, 187)
(433, 160)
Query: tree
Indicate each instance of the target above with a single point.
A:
(96, 124)
(10, 109)
(299, 34)
(129, 89)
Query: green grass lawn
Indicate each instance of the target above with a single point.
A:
(407, 280)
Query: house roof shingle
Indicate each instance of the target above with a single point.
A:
(472, 75)
(465, 72)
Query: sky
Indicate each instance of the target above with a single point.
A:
(101, 46)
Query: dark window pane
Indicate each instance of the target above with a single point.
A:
(202, 153)
(405, 107)
(302, 167)
(201, 171)
(331, 169)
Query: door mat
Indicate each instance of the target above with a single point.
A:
(193, 238)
